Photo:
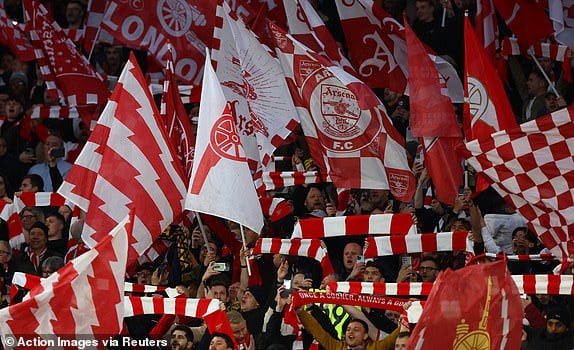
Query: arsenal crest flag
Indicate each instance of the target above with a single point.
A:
(221, 182)
(346, 126)
(477, 307)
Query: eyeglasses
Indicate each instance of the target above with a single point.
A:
(428, 268)
(28, 217)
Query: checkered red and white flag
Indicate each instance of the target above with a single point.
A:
(346, 126)
(254, 84)
(14, 38)
(532, 168)
(379, 224)
(310, 248)
(68, 74)
(419, 243)
(84, 297)
(128, 161)
(307, 27)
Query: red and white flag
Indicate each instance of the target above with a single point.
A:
(221, 182)
(519, 16)
(176, 119)
(531, 167)
(307, 27)
(148, 25)
(68, 74)
(487, 28)
(14, 38)
(562, 16)
(488, 109)
(346, 126)
(127, 162)
(376, 44)
(82, 299)
(254, 84)
(490, 313)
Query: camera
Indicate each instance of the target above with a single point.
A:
(407, 261)
(360, 259)
(221, 267)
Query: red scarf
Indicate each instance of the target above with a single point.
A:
(36, 258)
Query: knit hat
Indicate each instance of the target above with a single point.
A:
(559, 314)
(18, 76)
(258, 293)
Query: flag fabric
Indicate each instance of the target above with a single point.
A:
(221, 182)
(346, 126)
(562, 16)
(532, 168)
(82, 299)
(148, 25)
(94, 15)
(376, 224)
(176, 119)
(418, 243)
(444, 166)
(490, 313)
(487, 28)
(432, 113)
(279, 179)
(68, 74)
(14, 38)
(520, 14)
(307, 27)
(376, 44)
(311, 248)
(488, 109)
(127, 161)
(254, 84)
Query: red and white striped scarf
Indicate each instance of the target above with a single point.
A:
(418, 243)
(35, 259)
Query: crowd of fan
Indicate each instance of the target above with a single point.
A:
(29, 162)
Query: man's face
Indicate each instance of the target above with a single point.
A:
(520, 244)
(144, 276)
(328, 279)
(355, 334)
(26, 186)
(248, 302)
(240, 331)
(52, 142)
(429, 271)
(218, 343)
(179, 340)
(13, 110)
(534, 85)
(437, 207)
(219, 292)
(113, 55)
(38, 239)
(554, 326)
(401, 343)
(74, 13)
(314, 199)
(55, 227)
(372, 274)
(5, 253)
(378, 196)
(28, 219)
(350, 253)
(425, 11)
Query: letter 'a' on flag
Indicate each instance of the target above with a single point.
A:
(221, 183)
(128, 161)
(532, 168)
(487, 109)
(84, 298)
(489, 316)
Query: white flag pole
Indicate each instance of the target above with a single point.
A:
(245, 249)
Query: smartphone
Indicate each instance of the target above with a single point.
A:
(221, 267)
(461, 190)
(29, 150)
(360, 259)
(407, 261)
(390, 203)
(57, 153)
(285, 293)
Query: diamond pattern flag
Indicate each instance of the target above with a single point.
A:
(128, 161)
(532, 168)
